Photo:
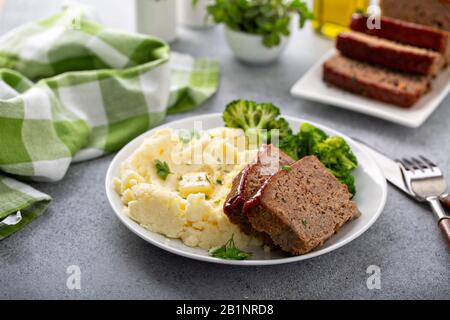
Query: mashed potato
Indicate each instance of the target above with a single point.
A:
(188, 203)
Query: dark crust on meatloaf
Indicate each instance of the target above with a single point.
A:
(323, 202)
(241, 192)
(403, 32)
(434, 13)
(398, 58)
(370, 89)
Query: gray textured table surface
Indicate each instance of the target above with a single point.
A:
(80, 228)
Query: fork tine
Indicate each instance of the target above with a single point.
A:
(420, 164)
(410, 164)
(428, 161)
(405, 163)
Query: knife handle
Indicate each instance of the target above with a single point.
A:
(444, 225)
(445, 201)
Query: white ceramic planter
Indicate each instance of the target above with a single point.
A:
(249, 47)
(157, 18)
(194, 16)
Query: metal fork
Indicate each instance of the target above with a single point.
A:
(426, 182)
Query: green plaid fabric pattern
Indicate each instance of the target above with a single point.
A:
(191, 81)
(16, 196)
(72, 90)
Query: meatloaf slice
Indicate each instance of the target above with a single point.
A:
(302, 207)
(404, 32)
(433, 13)
(375, 82)
(246, 184)
(389, 54)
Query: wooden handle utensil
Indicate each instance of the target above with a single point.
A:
(444, 225)
(445, 201)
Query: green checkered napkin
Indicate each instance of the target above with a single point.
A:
(72, 90)
(18, 197)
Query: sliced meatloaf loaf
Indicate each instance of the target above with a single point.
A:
(404, 32)
(433, 13)
(246, 184)
(389, 54)
(375, 82)
(302, 207)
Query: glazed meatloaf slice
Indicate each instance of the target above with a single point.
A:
(246, 184)
(374, 82)
(302, 207)
(433, 13)
(389, 54)
(404, 32)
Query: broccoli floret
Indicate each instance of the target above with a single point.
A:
(348, 180)
(337, 156)
(246, 114)
(257, 118)
(333, 152)
(291, 146)
(309, 137)
(277, 130)
(336, 153)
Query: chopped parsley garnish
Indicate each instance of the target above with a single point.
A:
(286, 168)
(305, 222)
(229, 251)
(162, 169)
(218, 181)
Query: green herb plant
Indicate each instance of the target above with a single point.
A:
(269, 18)
(229, 251)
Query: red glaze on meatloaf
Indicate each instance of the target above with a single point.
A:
(247, 183)
(403, 32)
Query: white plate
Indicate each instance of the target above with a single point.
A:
(312, 87)
(370, 197)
